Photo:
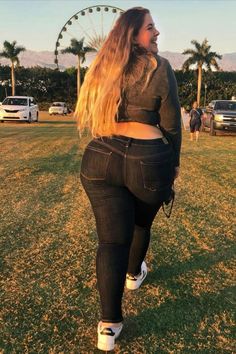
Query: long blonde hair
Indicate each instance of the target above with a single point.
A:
(118, 64)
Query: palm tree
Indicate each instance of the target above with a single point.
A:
(77, 48)
(11, 52)
(202, 57)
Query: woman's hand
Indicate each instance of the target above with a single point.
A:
(176, 172)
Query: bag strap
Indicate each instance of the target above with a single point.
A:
(169, 202)
(196, 111)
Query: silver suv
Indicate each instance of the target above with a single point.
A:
(220, 115)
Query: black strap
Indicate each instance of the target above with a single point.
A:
(170, 203)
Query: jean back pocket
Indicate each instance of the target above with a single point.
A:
(95, 164)
(157, 176)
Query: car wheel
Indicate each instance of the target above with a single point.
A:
(2, 121)
(212, 128)
(37, 117)
(30, 118)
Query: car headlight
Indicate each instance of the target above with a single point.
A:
(218, 117)
(22, 110)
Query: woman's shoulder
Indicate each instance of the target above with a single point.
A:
(163, 65)
(162, 61)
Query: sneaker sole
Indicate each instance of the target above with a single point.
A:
(106, 345)
(106, 342)
(130, 284)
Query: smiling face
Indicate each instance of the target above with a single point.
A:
(147, 36)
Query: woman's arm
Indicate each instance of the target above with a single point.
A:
(170, 113)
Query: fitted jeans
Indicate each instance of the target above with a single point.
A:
(126, 181)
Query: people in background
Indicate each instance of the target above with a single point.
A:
(195, 121)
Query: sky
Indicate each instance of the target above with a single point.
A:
(36, 24)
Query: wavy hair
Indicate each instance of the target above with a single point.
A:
(118, 64)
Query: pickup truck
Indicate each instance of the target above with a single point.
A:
(19, 108)
(220, 115)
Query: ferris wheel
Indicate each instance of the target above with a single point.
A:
(91, 24)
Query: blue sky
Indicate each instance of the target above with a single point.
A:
(36, 24)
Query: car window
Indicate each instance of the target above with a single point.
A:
(225, 106)
(57, 105)
(15, 101)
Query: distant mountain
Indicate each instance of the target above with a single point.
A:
(31, 58)
(228, 62)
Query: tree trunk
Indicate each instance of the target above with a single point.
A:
(78, 78)
(199, 84)
(12, 79)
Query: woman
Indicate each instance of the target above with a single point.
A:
(195, 121)
(130, 104)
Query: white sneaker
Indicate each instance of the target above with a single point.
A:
(133, 282)
(107, 336)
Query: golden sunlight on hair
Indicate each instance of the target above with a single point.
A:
(100, 93)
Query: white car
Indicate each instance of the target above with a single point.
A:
(19, 108)
(58, 108)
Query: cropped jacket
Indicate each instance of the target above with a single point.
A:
(157, 104)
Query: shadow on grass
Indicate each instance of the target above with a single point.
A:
(62, 164)
(47, 197)
(200, 261)
(198, 321)
(183, 318)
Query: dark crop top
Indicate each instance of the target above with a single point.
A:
(158, 104)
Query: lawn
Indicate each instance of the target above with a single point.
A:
(48, 300)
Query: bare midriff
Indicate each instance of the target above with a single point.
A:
(138, 130)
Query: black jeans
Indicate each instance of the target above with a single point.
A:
(126, 181)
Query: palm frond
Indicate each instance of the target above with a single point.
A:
(19, 49)
(77, 48)
(196, 44)
(89, 49)
(4, 55)
(201, 56)
(214, 63)
(189, 51)
(67, 50)
(186, 65)
(11, 51)
(206, 45)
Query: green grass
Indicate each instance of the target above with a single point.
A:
(49, 302)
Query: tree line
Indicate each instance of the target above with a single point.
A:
(48, 85)
(196, 80)
(44, 84)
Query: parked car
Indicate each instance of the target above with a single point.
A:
(19, 108)
(58, 108)
(220, 115)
